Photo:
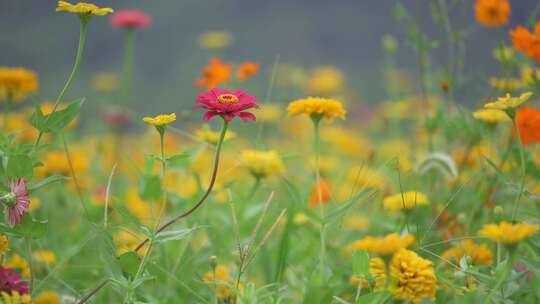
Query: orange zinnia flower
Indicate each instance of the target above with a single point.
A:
(214, 74)
(325, 193)
(528, 121)
(492, 12)
(246, 70)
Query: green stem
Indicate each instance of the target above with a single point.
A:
(322, 232)
(80, 48)
(523, 169)
(506, 271)
(129, 61)
(255, 187)
(30, 262)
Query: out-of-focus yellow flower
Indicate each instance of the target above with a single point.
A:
(269, 113)
(504, 53)
(347, 142)
(127, 240)
(377, 271)
(222, 283)
(17, 83)
(47, 108)
(4, 245)
(389, 43)
(508, 233)
(300, 218)
(327, 165)
(397, 149)
(364, 177)
(325, 81)
(45, 257)
(405, 201)
(212, 137)
(413, 278)
(160, 120)
(105, 82)
(48, 297)
(317, 107)
(507, 84)
(55, 162)
(384, 246)
(19, 264)
(491, 115)
(145, 212)
(262, 163)
(215, 40)
(479, 253)
(508, 102)
(83, 9)
(396, 109)
(355, 222)
(290, 75)
(15, 298)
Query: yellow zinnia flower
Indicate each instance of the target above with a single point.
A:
(384, 246)
(317, 107)
(83, 9)
(14, 298)
(17, 83)
(491, 115)
(48, 297)
(508, 233)
(413, 277)
(480, 253)
(407, 200)
(160, 120)
(508, 102)
(262, 163)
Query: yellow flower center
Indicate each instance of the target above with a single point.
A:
(227, 99)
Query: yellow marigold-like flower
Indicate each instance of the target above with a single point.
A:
(222, 282)
(105, 82)
(45, 256)
(325, 80)
(48, 297)
(17, 83)
(413, 277)
(215, 40)
(4, 245)
(480, 253)
(15, 298)
(317, 107)
(160, 120)
(377, 271)
(262, 163)
(407, 200)
(508, 102)
(508, 233)
(384, 246)
(491, 115)
(269, 113)
(18, 263)
(210, 136)
(83, 9)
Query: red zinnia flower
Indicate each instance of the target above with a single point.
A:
(227, 104)
(9, 282)
(130, 19)
(16, 200)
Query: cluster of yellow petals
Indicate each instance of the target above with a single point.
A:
(223, 283)
(407, 200)
(262, 163)
(508, 102)
(316, 106)
(377, 271)
(210, 136)
(491, 115)
(160, 120)
(4, 245)
(17, 83)
(47, 297)
(384, 246)
(508, 233)
(83, 8)
(15, 297)
(18, 263)
(480, 253)
(413, 277)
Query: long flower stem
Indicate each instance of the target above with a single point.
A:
(506, 271)
(523, 169)
(74, 71)
(129, 60)
(30, 262)
(322, 232)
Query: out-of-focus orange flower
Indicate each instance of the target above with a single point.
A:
(492, 12)
(246, 70)
(528, 121)
(325, 193)
(214, 74)
(524, 40)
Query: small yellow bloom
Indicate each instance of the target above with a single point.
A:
(384, 246)
(413, 277)
(508, 233)
(83, 9)
(105, 82)
(508, 102)
(127, 240)
(262, 163)
(4, 245)
(325, 80)
(480, 253)
(317, 107)
(19, 264)
(160, 120)
(210, 136)
(48, 297)
(45, 256)
(269, 113)
(223, 283)
(14, 298)
(407, 200)
(215, 40)
(17, 83)
(491, 115)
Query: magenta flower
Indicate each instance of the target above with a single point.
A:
(9, 282)
(226, 104)
(16, 200)
(130, 19)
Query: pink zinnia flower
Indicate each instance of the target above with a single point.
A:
(9, 282)
(227, 104)
(16, 200)
(130, 19)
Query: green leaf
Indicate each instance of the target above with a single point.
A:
(374, 297)
(149, 187)
(28, 228)
(129, 263)
(19, 165)
(49, 180)
(360, 262)
(58, 120)
(173, 235)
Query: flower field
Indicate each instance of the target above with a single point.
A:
(278, 185)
